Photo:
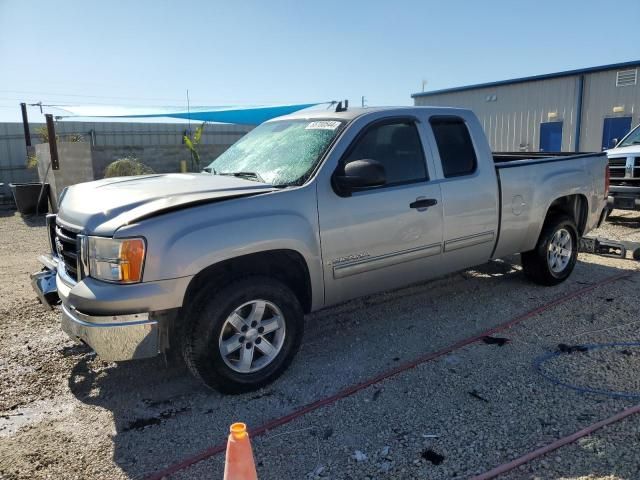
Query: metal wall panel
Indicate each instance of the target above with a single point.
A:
(600, 98)
(511, 114)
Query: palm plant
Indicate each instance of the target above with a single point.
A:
(192, 143)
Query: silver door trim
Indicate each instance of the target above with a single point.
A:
(354, 267)
(469, 241)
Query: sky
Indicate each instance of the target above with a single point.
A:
(148, 53)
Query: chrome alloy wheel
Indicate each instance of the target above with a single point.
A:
(252, 336)
(560, 250)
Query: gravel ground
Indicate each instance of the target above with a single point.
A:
(66, 414)
(621, 225)
(608, 454)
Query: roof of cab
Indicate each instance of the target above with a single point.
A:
(352, 113)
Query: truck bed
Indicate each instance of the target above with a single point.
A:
(528, 182)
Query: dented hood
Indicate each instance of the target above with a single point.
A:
(103, 206)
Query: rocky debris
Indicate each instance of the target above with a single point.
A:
(359, 456)
(499, 341)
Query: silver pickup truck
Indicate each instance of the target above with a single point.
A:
(306, 211)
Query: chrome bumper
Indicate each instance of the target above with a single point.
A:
(114, 337)
(623, 202)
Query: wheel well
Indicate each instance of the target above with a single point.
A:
(573, 205)
(287, 266)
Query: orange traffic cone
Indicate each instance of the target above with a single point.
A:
(239, 463)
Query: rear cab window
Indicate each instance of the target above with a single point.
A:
(457, 154)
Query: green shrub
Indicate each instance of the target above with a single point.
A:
(126, 167)
(43, 132)
(32, 160)
(193, 143)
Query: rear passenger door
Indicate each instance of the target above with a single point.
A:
(469, 192)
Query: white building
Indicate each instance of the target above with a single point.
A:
(578, 110)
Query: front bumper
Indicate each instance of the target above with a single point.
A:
(119, 322)
(624, 197)
(115, 337)
(623, 202)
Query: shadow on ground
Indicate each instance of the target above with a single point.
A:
(7, 211)
(624, 221)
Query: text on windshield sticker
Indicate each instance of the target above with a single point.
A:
(323, 125)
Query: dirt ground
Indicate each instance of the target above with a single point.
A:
(66, 414)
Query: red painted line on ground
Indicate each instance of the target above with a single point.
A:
(557, 444)
(277, 422)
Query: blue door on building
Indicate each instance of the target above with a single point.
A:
(613, 131)
(551, 137)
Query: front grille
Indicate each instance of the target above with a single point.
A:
(625, 171)
(67, 249)
(617, 167)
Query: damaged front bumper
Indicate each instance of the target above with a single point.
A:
(44, 281)
(112, 337)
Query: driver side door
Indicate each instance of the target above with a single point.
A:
(380, 238)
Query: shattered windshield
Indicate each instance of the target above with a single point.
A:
(280, 153)
(632, 139)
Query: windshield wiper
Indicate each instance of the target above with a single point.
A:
(247, 175)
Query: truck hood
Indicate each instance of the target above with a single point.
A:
(624, 151)
(103, 206)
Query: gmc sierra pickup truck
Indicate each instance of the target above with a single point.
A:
(305, 211)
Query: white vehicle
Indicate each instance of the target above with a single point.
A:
(624, 165)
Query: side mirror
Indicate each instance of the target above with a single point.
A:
(357, 175)
(614, 142)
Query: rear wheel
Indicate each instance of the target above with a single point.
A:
(243, 336)
(556, 252)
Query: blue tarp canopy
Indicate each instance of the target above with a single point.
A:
(254, 115)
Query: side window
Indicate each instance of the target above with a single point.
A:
(454, 145)
(397, 146)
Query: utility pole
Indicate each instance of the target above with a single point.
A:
(363, 100)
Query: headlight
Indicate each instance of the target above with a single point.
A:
(116, 260)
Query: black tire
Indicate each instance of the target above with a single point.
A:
(535, 263)
(208, 314)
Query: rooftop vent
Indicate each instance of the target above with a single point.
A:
(626, 77)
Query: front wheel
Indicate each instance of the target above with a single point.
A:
(243, 336)
(556, 252)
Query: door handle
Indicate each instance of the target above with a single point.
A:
(423, 203)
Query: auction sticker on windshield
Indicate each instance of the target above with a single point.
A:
(323, 125)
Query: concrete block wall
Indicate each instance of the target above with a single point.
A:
(161, 158)
(80, 162)
(126, 135)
